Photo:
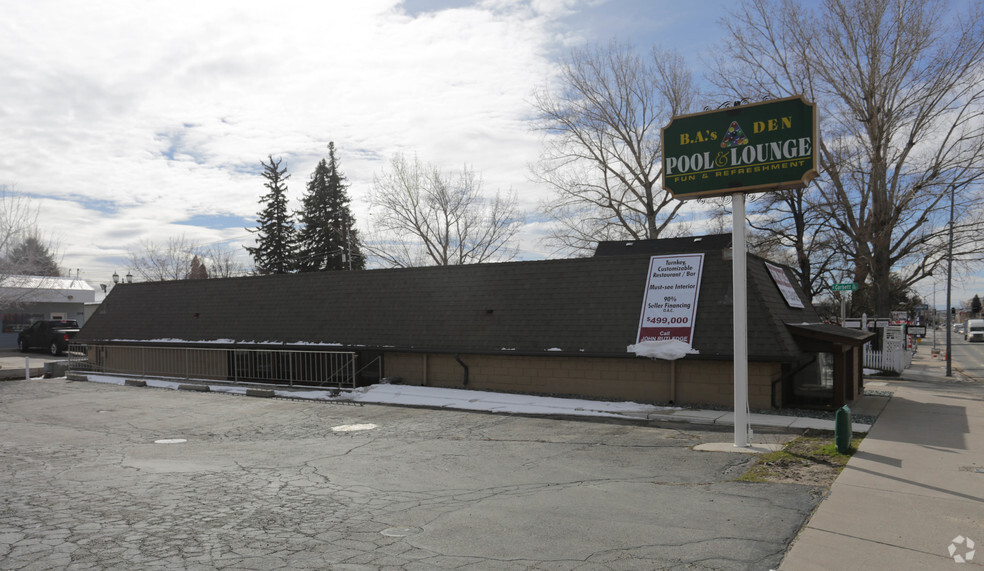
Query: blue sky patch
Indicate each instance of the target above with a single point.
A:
(218, 221)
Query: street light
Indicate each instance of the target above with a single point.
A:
(128, 277)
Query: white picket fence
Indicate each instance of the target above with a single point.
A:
(891, 361)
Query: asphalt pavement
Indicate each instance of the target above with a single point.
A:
(100, 476)
(106, 476)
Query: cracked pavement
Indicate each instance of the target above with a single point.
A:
(268, 484)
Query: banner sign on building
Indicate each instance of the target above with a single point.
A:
(669, 307)
(749, 148)
(785, 286)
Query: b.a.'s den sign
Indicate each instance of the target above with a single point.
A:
(749, 148)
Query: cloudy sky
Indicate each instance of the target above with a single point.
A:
(132, 121)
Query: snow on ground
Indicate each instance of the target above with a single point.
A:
(459, 399)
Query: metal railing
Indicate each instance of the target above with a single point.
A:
(264, 366)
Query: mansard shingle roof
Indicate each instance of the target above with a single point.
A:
(585, 306)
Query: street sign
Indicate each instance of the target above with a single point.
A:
(749, 148)
(922, 307)
(845, 287)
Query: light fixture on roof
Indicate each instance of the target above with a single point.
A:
(129, 278)
(116, 278)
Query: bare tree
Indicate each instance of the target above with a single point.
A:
(901, 95)
(424, 216)
(602, 157)
(174, 260)
(788, 226)
(221, 262)
(155, 262)
(23, 249)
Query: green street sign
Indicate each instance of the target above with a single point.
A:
(845, 287)
(751, 148)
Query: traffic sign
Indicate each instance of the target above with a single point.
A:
(845, 287)
(922, 307)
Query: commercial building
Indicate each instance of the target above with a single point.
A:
(559, 327)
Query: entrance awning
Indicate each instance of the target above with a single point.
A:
(829, 333)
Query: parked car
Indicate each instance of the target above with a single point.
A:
(52, 335)
(974, 330)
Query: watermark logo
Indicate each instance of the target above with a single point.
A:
(961, 549)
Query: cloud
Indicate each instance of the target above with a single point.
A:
(161, 112)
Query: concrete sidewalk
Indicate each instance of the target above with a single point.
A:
(17, 365)
(912, 497)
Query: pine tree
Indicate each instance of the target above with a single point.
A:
(327, 238)
(30, 257)
(276, 241)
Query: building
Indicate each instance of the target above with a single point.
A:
(559, 327)
(26, 299)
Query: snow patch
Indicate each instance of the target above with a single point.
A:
(668, 350)
(438, 397)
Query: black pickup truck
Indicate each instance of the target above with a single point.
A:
(52, 335)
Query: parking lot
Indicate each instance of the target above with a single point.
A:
(98, 476)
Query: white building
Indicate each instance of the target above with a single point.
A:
(26, 299)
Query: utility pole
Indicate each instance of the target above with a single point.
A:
(949, 291)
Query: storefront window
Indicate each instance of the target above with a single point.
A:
(825, 369)
(17, 322)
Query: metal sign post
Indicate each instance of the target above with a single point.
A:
(740, 309)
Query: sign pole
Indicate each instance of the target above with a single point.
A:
(740, 308)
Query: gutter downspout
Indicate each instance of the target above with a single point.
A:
(457, 358)
(673, 382)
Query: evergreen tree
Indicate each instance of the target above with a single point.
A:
(276, 241)
(327, 238)
(198, 270)
(975, 306)
(31, 257)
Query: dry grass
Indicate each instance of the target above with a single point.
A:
(810, 459)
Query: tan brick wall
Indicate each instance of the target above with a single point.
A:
(645, 380)
(712, 382)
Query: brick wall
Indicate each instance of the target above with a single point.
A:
(644, 380)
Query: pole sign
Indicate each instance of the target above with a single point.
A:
(669, 306)
(845, 287)
(750, 148)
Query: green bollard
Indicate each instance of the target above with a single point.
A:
(842, 429)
